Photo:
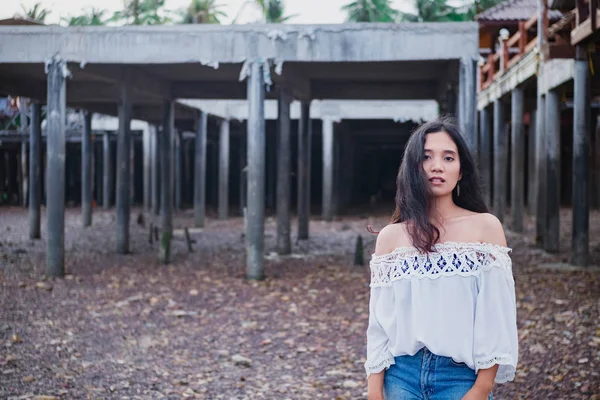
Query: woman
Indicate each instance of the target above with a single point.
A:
(442, 323)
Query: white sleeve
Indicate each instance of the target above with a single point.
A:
(379, 356)
(495, 330)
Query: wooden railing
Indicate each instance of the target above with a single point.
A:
(511, 50)
(587, 21)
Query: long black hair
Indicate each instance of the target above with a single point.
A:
(414, 198)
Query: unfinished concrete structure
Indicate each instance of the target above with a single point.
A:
(541, 66)
(138, 72)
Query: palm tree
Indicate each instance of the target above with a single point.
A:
(141, 12)
(36, 13)
(433, 11)
(202, 12)
(274, 11)
(95, 17)
(370, 11)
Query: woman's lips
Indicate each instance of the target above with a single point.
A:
(437, 181)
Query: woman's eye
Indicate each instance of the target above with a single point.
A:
(449, 159)
(426, 157)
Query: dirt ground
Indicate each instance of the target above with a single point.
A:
(126, 327)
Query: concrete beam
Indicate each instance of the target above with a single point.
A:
(212, 43)
(135, 78)
(517, 191)
(224, 170)
(556, 73)
(374, 90)
(123, 192)
(552, 239)
(523, 71)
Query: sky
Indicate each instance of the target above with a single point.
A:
(308, 11)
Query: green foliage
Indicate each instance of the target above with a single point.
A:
(94, 17)
(370, 11)
(141, 12)
(274, 11)
(433, 11)
(202, 12)
(37, 12)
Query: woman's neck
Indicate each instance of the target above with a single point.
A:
(443, 208)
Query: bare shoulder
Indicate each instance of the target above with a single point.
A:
(391, 237)
(491, 229)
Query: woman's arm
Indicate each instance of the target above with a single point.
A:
(375, 386)
(491, 232)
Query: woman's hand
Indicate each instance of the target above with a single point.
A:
(477, 392)
(375, 386)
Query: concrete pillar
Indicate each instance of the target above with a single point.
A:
(467, 102)
(107, 171)
(552, 239)
(87, 146)
(200, 170)
(177, 165)
(224, 170)
(540, 155)
(256, 173)
(55, 172)
(147, 150)
(166, 212)
(531, 166)
(517, 200)
(284, 163)
(327, 169)
(581, 141)
(304, 145)
(500, 159)
(486, 153)
(123, 203)
(155, 169)
(35, 171)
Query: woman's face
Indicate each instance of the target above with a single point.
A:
(441, 163)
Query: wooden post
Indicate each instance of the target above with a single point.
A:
(55, 178)
(486, 153)
(518, 160)
(155, 161)
(35, 171)
(327, 169)
(177, 166)
(552, 239)
(256, 173)
(224, 170)
(540, 152)
(284, 161)
(531, 165)
(500, 158)
(147, 150)
(87, 146)
(581, 142)
(166, 217)
(303, 175)
(522, 37)
(200, 170)
(123, 203)
(24, 174)
(107, 171)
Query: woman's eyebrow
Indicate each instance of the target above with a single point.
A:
(445, 151)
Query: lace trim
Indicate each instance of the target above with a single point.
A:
(506, 370)
(384, 364)
(447, 259)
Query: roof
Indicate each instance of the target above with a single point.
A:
(515, 10)
(19, 20)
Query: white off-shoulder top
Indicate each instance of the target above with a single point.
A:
(457, 301)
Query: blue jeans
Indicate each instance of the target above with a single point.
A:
(426, 376)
